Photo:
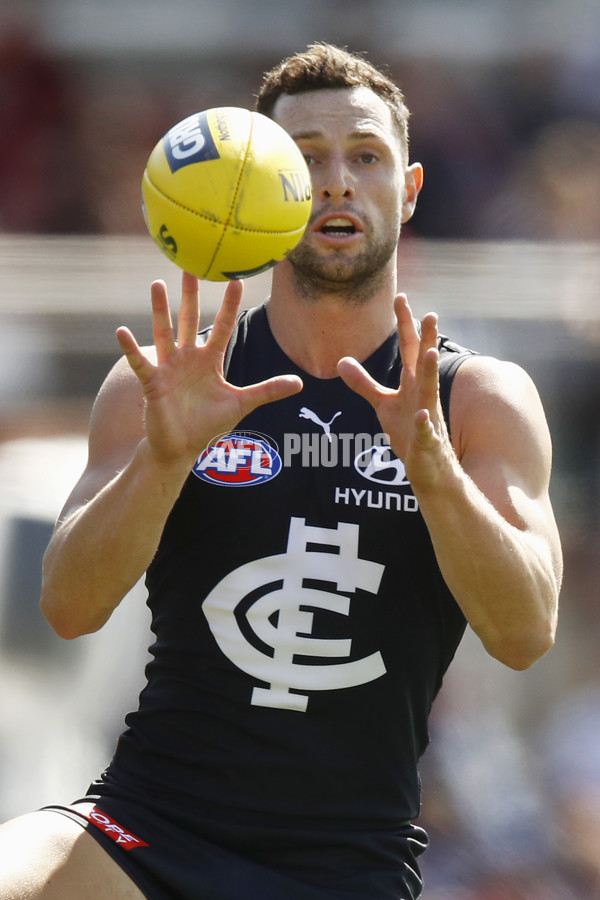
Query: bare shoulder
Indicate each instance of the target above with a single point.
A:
(484, 377)
(117, 414)
(495, 407)
(502, 439)
(116, 428)
(121, 384)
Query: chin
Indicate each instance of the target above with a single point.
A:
(343, 271)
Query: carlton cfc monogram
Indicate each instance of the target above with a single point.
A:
(286, 602)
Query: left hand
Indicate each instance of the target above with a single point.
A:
(411, 414)
(187, 399)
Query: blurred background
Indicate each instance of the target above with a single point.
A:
(505, 100)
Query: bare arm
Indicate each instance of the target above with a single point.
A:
(492, 525)
(154, 415)
(485, 499)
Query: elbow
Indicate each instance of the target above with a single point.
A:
(52, 605)
(58, 622)
(522, 653)
(524, 659)
(521, 638)
(63, 608)
(62, 621)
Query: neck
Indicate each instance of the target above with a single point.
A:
(315, 330)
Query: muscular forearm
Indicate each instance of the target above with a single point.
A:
(99, 551)
(501, 576)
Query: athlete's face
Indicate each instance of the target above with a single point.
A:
(362, 190)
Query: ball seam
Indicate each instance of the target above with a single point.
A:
(217, 222)
(235, 195)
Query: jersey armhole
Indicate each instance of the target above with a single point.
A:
(448, 367)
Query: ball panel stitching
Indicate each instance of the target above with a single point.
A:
(218, 222)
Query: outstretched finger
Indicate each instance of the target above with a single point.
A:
(277, 388)
(408, 336)
(429, 338)
(139, 363)
(188, 317)
(429, 381)
(226, 317)
(162, 324)
(358, 380)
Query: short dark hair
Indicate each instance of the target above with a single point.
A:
(323, 65)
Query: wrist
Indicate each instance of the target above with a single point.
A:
(167, 468)
(437, 477)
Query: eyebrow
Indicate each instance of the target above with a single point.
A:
(306, 135)
(354, 135)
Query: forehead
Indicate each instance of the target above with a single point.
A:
(334, 111)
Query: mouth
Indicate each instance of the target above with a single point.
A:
(337, 226)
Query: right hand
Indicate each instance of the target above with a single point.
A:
(188, 402)
(411, 414)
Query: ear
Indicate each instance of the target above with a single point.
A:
(413, 182)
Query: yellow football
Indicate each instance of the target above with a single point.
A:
(226, 194)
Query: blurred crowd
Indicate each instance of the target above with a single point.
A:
(511, 150)
(513, 813)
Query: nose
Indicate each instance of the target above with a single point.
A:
(337, 183)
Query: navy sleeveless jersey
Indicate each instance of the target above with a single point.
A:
(302, 628)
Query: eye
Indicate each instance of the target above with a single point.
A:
(309, 159)
(367, 158)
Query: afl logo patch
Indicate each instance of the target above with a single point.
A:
(238, 460)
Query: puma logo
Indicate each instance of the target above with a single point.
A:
(306, 413)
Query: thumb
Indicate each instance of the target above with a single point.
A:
(269, 391)
(358, 380)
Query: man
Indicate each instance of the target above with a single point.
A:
(315, 543)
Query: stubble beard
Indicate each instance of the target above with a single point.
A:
(353, 279)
